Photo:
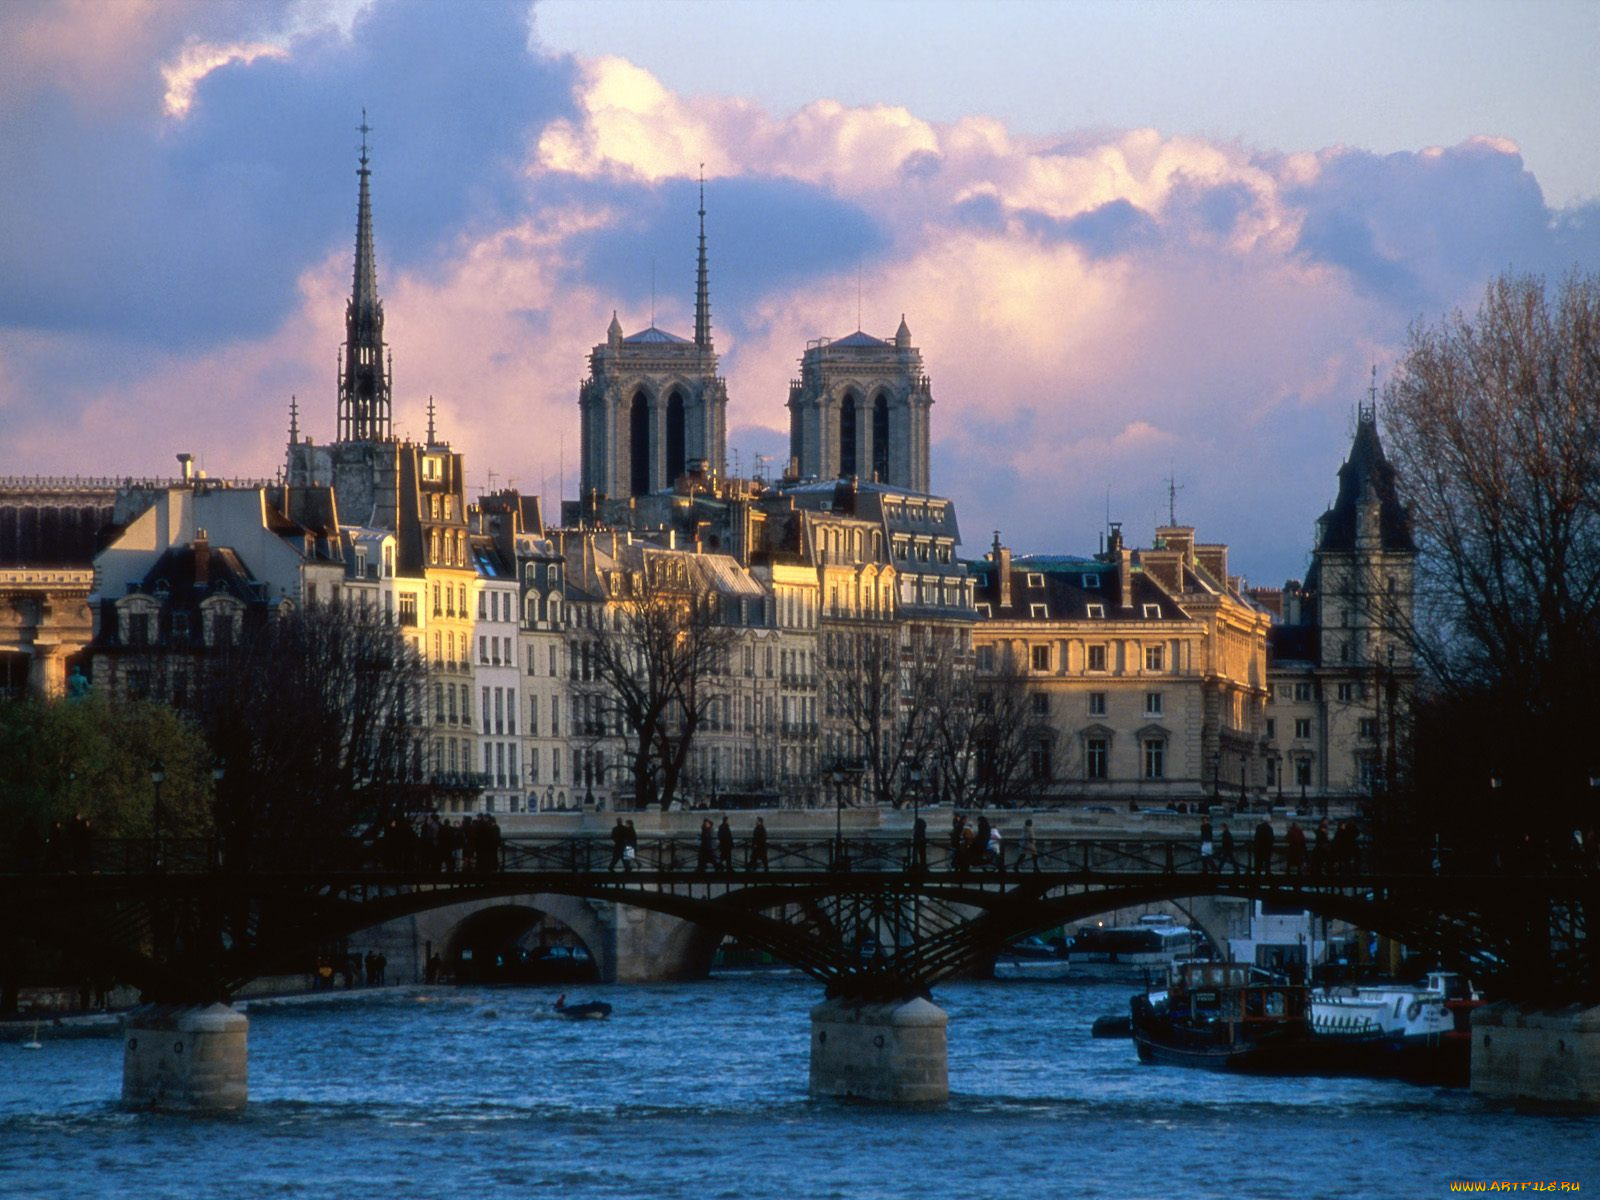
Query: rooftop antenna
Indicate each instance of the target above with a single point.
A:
(652, 293)
(1173, 487)
(858, 295)
(1372, 397)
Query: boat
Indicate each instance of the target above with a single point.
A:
(1418, 1032)
(1226, 1017)
(1150, 947)
(1032, 958)
(588, 1010)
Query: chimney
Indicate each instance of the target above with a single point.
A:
(186, 465)
(1002, 569)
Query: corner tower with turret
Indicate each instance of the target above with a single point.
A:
(653, 403)
(860, 409)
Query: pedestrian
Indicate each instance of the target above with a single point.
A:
(982, 847)
(708, 848)
(1030, 846)
(1207, 862)
(1320, 848)
(725, 847)
(995, 850)
(619, 844)
(1261, 864)
(1227, 859)
(758, 846)
(1294, 855)
(919, 844)
(630, 848)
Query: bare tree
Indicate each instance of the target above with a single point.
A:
(316, 717)
(1493, 420)
(656, 641)
(886, 698)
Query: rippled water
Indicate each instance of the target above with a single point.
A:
(699, 1090)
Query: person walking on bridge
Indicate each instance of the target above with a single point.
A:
(1208, 864)
(758, 846)
(725, 847)
(1030, 846)
(1227, 859)
(919, 844)
(619, 842)
(1262, 862)
(708, 848)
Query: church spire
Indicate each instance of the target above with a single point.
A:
(702, 292)
(364, 381)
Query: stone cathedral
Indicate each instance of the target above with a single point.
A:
(654, 407)
(653, 403)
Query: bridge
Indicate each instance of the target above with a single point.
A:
(190, 922)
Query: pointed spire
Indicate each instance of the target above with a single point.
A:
(364, 382)
(294, 419)
(432, 440)
(902, 336)
(702, 291)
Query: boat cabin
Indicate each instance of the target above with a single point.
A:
(1206, 993)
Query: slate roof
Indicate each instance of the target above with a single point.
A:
(657, 337)
(1058, 585)
(1366, 464)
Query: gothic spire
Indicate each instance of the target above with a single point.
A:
(364, 381)
(702, 292)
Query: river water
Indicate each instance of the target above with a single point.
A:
(699, 1091)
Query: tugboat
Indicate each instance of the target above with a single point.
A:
(1417, 1033)
(1226, 1017)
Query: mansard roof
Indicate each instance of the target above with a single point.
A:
(1366, 467)
(188, 574)
(1059, 584)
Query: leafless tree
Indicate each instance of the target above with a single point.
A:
(1493, 421)
(656, 643)
(317, 720)
(885, 697)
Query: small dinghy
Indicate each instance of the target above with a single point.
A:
(589, 1010)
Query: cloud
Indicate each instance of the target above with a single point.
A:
(1100, 312)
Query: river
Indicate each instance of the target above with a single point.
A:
(699, 1091)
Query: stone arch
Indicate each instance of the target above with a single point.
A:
(639, 448)
(847, 435)
(449, 929)
(880, 438)
(677, 455)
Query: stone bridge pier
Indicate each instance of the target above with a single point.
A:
(894, 1052)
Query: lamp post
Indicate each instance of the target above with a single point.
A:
(218, 770)
(839, 863)
(158, 776)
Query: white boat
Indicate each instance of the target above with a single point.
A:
(1130, 951)
(1391, 1009)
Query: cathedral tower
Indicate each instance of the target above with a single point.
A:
(860, 408)
(364, 374)
(653, 402)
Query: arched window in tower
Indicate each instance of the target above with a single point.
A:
(880, 438)
(639, 446)
(847, 436)
(675, 450)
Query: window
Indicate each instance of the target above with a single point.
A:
(1041, 703)
(1041, 658)
(1154, 658)
(985, 658)
(533, 715)
(1096, 753)
(483, 606)
(1302, 772)
(1302, 727)
(1369, 727)
(1155, 758)
(985, 610)
(1039, 612)
(1302, 691)
(1039, 759)
(1097, 658)
(1096, 612)
(1152, 704)
(555, 716)
(1035, 579)
(1091, 580)
(1097, 704)
(408, 609)
(1152, 612)
(1272, 728)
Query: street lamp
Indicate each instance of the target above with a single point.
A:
(158, 776)
(839, 863)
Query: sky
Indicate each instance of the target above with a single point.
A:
(1150, 252)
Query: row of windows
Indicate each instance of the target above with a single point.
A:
(1040, 657)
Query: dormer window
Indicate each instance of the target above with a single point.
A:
(1096, 612)
(1152, 612)
(1091, 580)
(1039, 612)
(1035, 579)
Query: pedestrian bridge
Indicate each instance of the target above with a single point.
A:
(191, 922)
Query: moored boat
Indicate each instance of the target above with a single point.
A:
(1225, 1017)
